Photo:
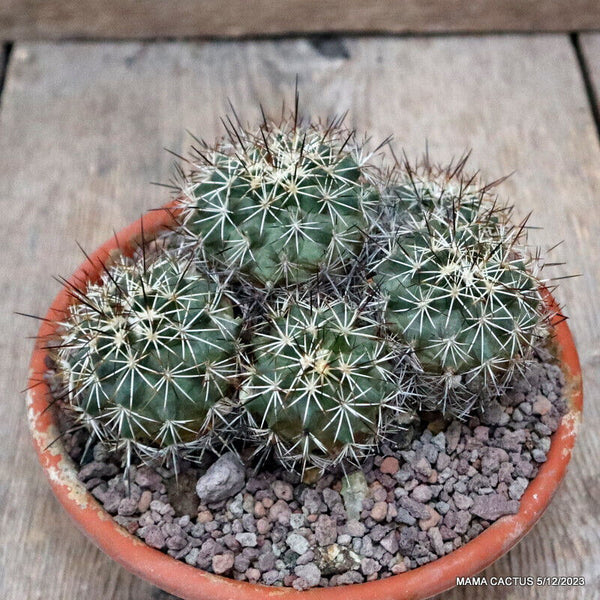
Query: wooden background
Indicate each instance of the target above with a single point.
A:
(82, 127)
(58, 19)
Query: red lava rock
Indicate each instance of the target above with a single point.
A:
(325, 530)
(389, 465)
(148, 477)
(221, 563)
(279, 512)
(379, 493)
(379, 511)
(432, 521)
(263, 526)
(542, 405)
(259, 510)
(144, 501)
(205, 516)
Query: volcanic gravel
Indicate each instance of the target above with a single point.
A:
(438, 488)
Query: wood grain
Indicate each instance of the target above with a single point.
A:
(83, 126)
(59, 19)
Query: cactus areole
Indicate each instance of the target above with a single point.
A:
(298, 298)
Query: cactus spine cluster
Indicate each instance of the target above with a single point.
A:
(312, 301)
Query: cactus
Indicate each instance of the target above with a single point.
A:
(459, 287)
(324, 385)
(448, 192)
(148, 356)
(364, 293)
(282, 204)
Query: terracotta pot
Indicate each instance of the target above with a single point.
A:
(190, 583)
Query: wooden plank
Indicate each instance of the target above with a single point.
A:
(83, 126)
(59, 19)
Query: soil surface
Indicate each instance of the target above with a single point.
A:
(437, 486)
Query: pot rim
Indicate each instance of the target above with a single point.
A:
(192, 583)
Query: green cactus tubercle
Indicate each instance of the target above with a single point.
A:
(148, 355)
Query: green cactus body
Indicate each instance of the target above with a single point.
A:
(323, 384)
(447, 194)
(462, 296)
(281, 205)
(148, 356)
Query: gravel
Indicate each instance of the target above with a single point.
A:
(223, 479)
(407, 507)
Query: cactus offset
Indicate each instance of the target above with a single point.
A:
(148, 356)
(280, 205)
(324, 384)
(459, 288)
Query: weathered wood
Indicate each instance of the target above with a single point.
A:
(60, 19)
(82, 130)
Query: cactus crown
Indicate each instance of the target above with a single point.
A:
(148, 356)
(281, 204)
(460, 290)
(324, 384)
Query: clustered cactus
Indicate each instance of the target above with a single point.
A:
(306, 300)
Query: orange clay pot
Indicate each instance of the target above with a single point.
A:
(191, 583)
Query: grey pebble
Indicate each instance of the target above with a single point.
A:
(405, 517)
(297, 543)
(349, 577)
(236, 506)
(390, 542)
(270, 577)
(224, 478)
(437, 544)
(493, 506)
(154, 537)
(246, 540)
(368, 566)
(517, 488)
